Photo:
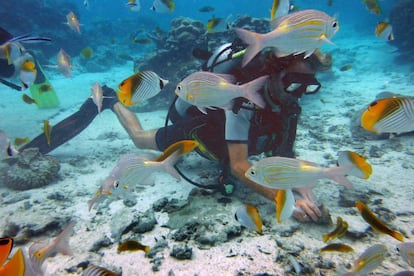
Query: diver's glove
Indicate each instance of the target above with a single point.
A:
(110, 98)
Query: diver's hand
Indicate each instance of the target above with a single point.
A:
(306, 208)
(110, 97)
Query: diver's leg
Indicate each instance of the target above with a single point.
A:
(66, 129)
(143, 139)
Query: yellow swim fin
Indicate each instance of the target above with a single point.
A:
(42, 91)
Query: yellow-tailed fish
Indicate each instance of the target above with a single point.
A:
(369, 260)
(16, 265)
(27, 99)
(406, 250)
(389, 115)
(285, 204)
(287, 173)
(140, 87)
(47, 130)
(295, 33)
(377, 224)
(73, 22)
(21, 141)
(384, 31)
(97, 96)
(133, 5)
(216, 25)
(337, 247)
(211, 90)
(131, 245)
(339, 231)
(373, 6)
(279, 8)
(163, 6)
(64, 63)
(249, 217)
(27, 74)
(40, 251)
(93, 270)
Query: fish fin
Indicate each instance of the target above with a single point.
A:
(308, 53)
(6, 246)
(229, 78)
(255, 42)
(340, 178)
(62, 241)
(92, 201)
(16, 266)
(252, 88)
(202, 109)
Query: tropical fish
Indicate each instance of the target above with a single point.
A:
(217, 25)
(16, 265)
(27, 99)
(131, 245)
(279, 8)
(27, 74)
(40, 251)
(376, 223)
(47, 130)
(140, 87)
(64, 63)
(249, 217)
(384, 31)
(345, 67)
(21, 141)
(287, 173)
(87, 52)
(369, 260)
(141, 40)
(295, 33)
(86, 3)
(373, 6)
(338, 247)
(133, 168)
(339, 231)
(406, 250)
(45, 88)
(206, 9)
(93, 270)
(163, 6)
(6, 148)
(97, 96)
(73, 22)
(134, 5)
(389, 115)
(285, 204)
(209, 90)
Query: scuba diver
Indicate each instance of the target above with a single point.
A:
(226, 136)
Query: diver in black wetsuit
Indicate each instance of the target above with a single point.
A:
(271, 130)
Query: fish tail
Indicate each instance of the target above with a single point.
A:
(337, 174)
(251, 89)
(62, 241)
(167, 165)
(397, 235)
(16, 265)
(255, 42)
(325, 238)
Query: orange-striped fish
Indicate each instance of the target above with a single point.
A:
(131, 245)
(285, 204)
(140, 87)
(212, 90)
(377, 224)
(339, 231)
(369, 260)
(16, 265)
(248, 216)
(389, 115)
(337, 247)
(295, 33)
(384, 31)
(373, 6)
(64, 63)
(73, 22)
(287, 173)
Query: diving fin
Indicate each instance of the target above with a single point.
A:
(42, 91)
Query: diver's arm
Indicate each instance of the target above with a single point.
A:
(239, 165)
(143, 139)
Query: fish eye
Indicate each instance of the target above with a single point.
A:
(253, 172)
(335, 24)
(116, 183)
(373, 104)
(178, 87)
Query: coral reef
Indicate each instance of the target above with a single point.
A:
(30, 169)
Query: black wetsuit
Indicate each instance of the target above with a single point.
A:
(6, 70)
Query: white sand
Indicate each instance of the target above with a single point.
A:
(373, 71)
